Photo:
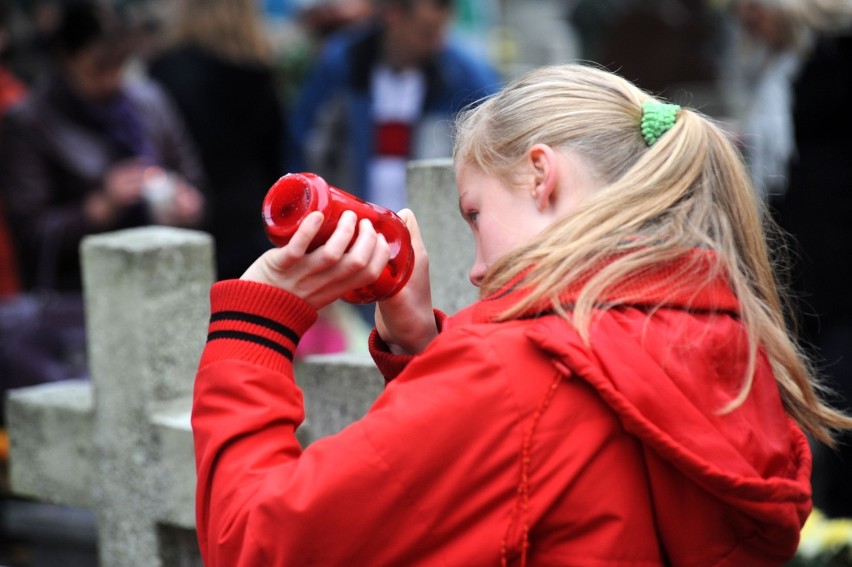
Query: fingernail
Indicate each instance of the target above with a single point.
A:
(314, 219)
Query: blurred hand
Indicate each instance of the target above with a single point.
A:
(121, 188)
(123, 183)
(324, 275)
(406, 322)
(185, 207)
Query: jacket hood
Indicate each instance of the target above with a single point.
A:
(750, 467)
(728, 488)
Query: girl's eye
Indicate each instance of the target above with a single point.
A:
(471, 216)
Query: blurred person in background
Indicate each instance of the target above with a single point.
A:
(88, 152)
(12, 91)
(816, 209)
(217, 66)
(767, 46)
(33, 23)
(12, 88)
(665, 46)
(322, 18)
(812, 193)
(383, 92)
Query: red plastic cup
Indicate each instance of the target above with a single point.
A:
(296, 195)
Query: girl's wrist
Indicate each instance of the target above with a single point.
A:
(416, 343)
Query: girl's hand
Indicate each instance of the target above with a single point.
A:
(331, 270)
(406, 322)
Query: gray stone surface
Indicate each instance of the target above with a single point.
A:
(338, 389)
(146, 295)
(51, 454)
(433, 198)
(172, 434)
(147, 311)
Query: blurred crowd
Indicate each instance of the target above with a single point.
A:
(183, 113)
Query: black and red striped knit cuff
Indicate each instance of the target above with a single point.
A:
(255, 322)
(389, 364)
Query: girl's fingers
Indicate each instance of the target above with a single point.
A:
(369, 255)
(362, 263)
(360, 253)
(380, 257)
(305, 234)
(332, 251)
(334, 268)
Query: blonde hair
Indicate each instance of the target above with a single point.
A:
(230, 28)
(657, 205)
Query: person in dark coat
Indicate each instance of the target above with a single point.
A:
(810, 195)
(217, 67)
(382, 93)
(817, 211)
(88, 151)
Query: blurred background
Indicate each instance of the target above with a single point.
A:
(239, 81)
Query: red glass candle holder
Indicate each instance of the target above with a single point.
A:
(296, 195)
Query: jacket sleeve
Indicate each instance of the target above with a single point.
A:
(389, 364)
(394, 488)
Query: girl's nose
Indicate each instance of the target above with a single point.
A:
(477, 272)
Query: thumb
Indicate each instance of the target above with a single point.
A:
(410, 221)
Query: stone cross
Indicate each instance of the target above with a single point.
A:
(121, 444)
(103, 444)
(433, 198)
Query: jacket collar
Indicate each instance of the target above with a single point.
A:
(693, 282)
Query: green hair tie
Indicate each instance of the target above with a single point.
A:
(657, 119)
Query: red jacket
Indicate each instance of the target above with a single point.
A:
(612, 454)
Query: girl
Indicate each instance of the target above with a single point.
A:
(624, 393)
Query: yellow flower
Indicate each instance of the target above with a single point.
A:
(809, 543)
(821, 535)
(837, 533)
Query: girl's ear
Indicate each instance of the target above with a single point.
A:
(545, 170)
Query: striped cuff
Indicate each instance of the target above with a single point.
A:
(256, 323)
(391, 365)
